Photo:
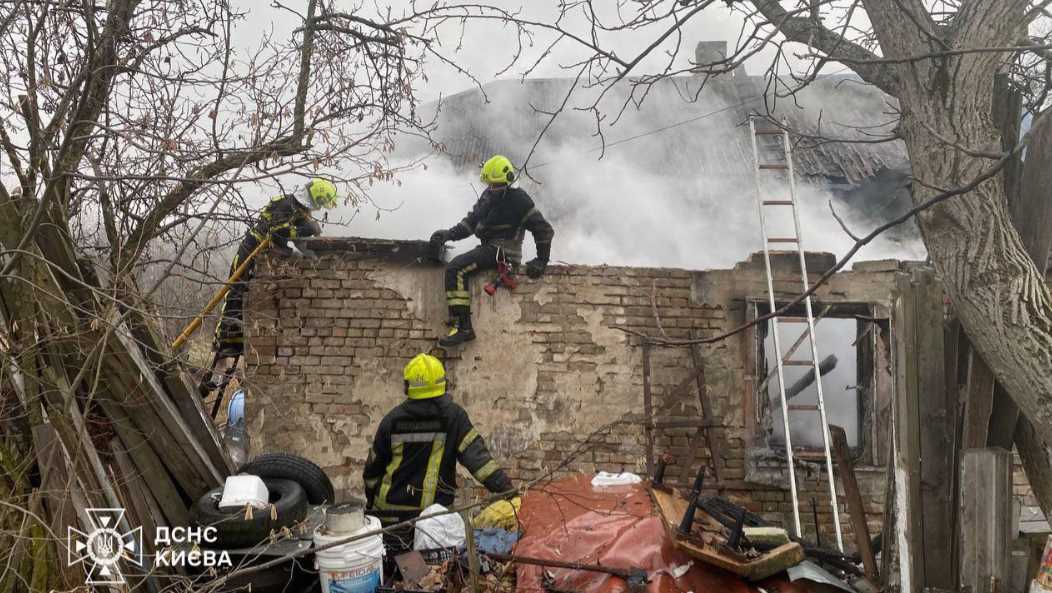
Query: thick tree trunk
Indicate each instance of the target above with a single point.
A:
(1001, 297)
(1003, 302)
(1031, 213)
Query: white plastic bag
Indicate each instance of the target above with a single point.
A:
(443, 531)
(602, 479)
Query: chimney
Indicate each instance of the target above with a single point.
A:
(709, 52)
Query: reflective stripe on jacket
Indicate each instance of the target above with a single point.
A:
(284, 218)
(413, 460)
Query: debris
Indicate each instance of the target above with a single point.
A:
(436, 530)
(710, 542)
(678, 571)
(767, 536)
(495, 541)
(853, 498)
(569, 520)
(604, 479)
(809, 571)
(412, 567)
(627, 574)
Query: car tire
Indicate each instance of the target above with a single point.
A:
(233, 530)
(286, 466)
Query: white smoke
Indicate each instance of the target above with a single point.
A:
(612, 211)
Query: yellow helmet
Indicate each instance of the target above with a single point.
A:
(497, 170)
(322, 193)
(424, 377)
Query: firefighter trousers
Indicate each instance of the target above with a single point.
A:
(462, 267)
(230, 332)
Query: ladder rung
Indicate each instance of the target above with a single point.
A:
(773, 166)
(777, 202)
(772, 132)
(783, 240)
(789, 319)
(803, 408)
(798, 363)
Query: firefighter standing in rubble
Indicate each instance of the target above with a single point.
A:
(413, 460)
(285, 217)
(500, 218)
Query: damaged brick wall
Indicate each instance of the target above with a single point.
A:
(328, 338)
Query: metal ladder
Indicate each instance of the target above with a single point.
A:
(781, 359)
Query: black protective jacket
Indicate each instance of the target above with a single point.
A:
(501, 217)
(282, 219)
(414, 457)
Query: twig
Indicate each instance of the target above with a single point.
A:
(859, 244)
(843, 225)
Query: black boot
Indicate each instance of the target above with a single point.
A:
(460, 330)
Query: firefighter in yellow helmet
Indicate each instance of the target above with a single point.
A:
(413, 460)
(500, 219)
(284, 218)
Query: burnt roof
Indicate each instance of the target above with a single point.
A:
(677, 124)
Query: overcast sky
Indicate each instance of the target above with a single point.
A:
(488, 46)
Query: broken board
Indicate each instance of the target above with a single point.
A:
(672, 506)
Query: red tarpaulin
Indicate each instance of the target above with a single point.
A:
(618, 527)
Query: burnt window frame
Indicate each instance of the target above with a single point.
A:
(866, 451)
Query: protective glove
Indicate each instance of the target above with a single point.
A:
(439, 237)
(502, 514)
(304, 252)
(535, 267)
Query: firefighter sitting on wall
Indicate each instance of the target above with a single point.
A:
(499, 219)
(413, 460)
(286, 217)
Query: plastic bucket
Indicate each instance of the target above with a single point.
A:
(354, 567)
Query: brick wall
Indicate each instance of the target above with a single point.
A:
(328, 339)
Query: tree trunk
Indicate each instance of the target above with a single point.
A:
(1031, 212)
(1001, 297)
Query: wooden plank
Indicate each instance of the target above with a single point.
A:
(138, 494)
(132, 397)
(148, 464)
(979, 402)
(889, 542)
(54, 484)
(986, 519)
(937, 411)
(956, 368)
(853, 498)
(752, 398)
(671, 506)
(191, 408)
(170, 416)
(909, 528)
(706, 413)
(179, 390)
(883, 399)
(648, 410)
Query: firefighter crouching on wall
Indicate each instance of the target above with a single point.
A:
(286, 217)
(413, 460)
(499, 219)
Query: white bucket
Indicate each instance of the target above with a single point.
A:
(354, 567)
